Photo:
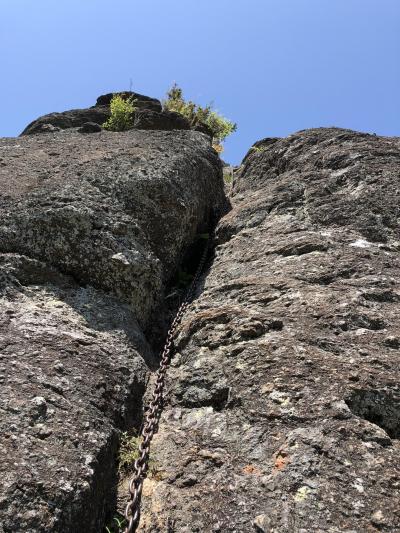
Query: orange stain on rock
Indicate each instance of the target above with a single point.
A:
(251, 469)
(281, 460)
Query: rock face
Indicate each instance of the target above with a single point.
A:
(115, 210)
(283, 409)
(148, 116)
(283, 406)
(68, 119)
(97, 114)
(165, 120)
(141, 101)
(92, 229)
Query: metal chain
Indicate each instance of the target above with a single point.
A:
(132, 510)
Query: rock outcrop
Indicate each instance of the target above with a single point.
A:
(97, 114)
(283, 411)
(92, 229)
(148, 115)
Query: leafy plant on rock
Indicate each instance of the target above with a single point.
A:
(117, 524)
(129, 452)
(122, 114)
(219, 126)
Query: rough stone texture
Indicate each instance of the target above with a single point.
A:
(203, 128)
(115, 210)
(73, 369)
(88, 222)
(148, 116)
(67, 119)
(97, 114)
(89, 127)
(165, 120)
(283, 410)
(141, 101)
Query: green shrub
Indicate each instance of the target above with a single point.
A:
(117, 524)
(122, 114)
(228, 175)
(220, 126)
(128, 451)
(196, 114)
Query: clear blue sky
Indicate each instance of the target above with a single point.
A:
(273, 66)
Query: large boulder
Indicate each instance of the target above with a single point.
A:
(92, 229)
(73, 369)
(283, 410)
(73, 118)
(115, 210)
(98, 114)
(141, 101)
(164, 120)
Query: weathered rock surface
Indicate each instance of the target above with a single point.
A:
(73, 369)
(283, 411)
(165, 120)
(73, 118)
(92, 228)
(115, 210)
(98, 114)
(141, 101)
(148, 115)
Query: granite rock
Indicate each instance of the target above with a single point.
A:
(98, 114)
(283, 403)
(92, 229)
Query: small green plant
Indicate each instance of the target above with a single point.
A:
(122, 114)
(258, 149)
(219, 126)
(128, 451)
(228, 175)
(117, 524)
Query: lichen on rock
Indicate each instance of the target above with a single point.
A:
(92, 229)
(282, 405)
(297, 326)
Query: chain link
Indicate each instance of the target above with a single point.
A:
(132, 510)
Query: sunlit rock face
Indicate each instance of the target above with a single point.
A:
(93, 226)
(283, 410)
(115, 210)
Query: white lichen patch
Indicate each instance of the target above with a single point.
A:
(302, 493)
(361, 243)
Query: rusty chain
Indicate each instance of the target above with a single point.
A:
(132, 510)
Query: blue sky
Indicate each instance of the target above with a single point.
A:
(273, 66)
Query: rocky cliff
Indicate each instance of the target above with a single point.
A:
(283, 407)
(93, 228)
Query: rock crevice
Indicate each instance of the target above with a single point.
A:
(282, 407)
(296, 329)
(93, 228)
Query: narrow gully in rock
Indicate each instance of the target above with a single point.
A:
(84, 261)
(187, 278)
(282, 398)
